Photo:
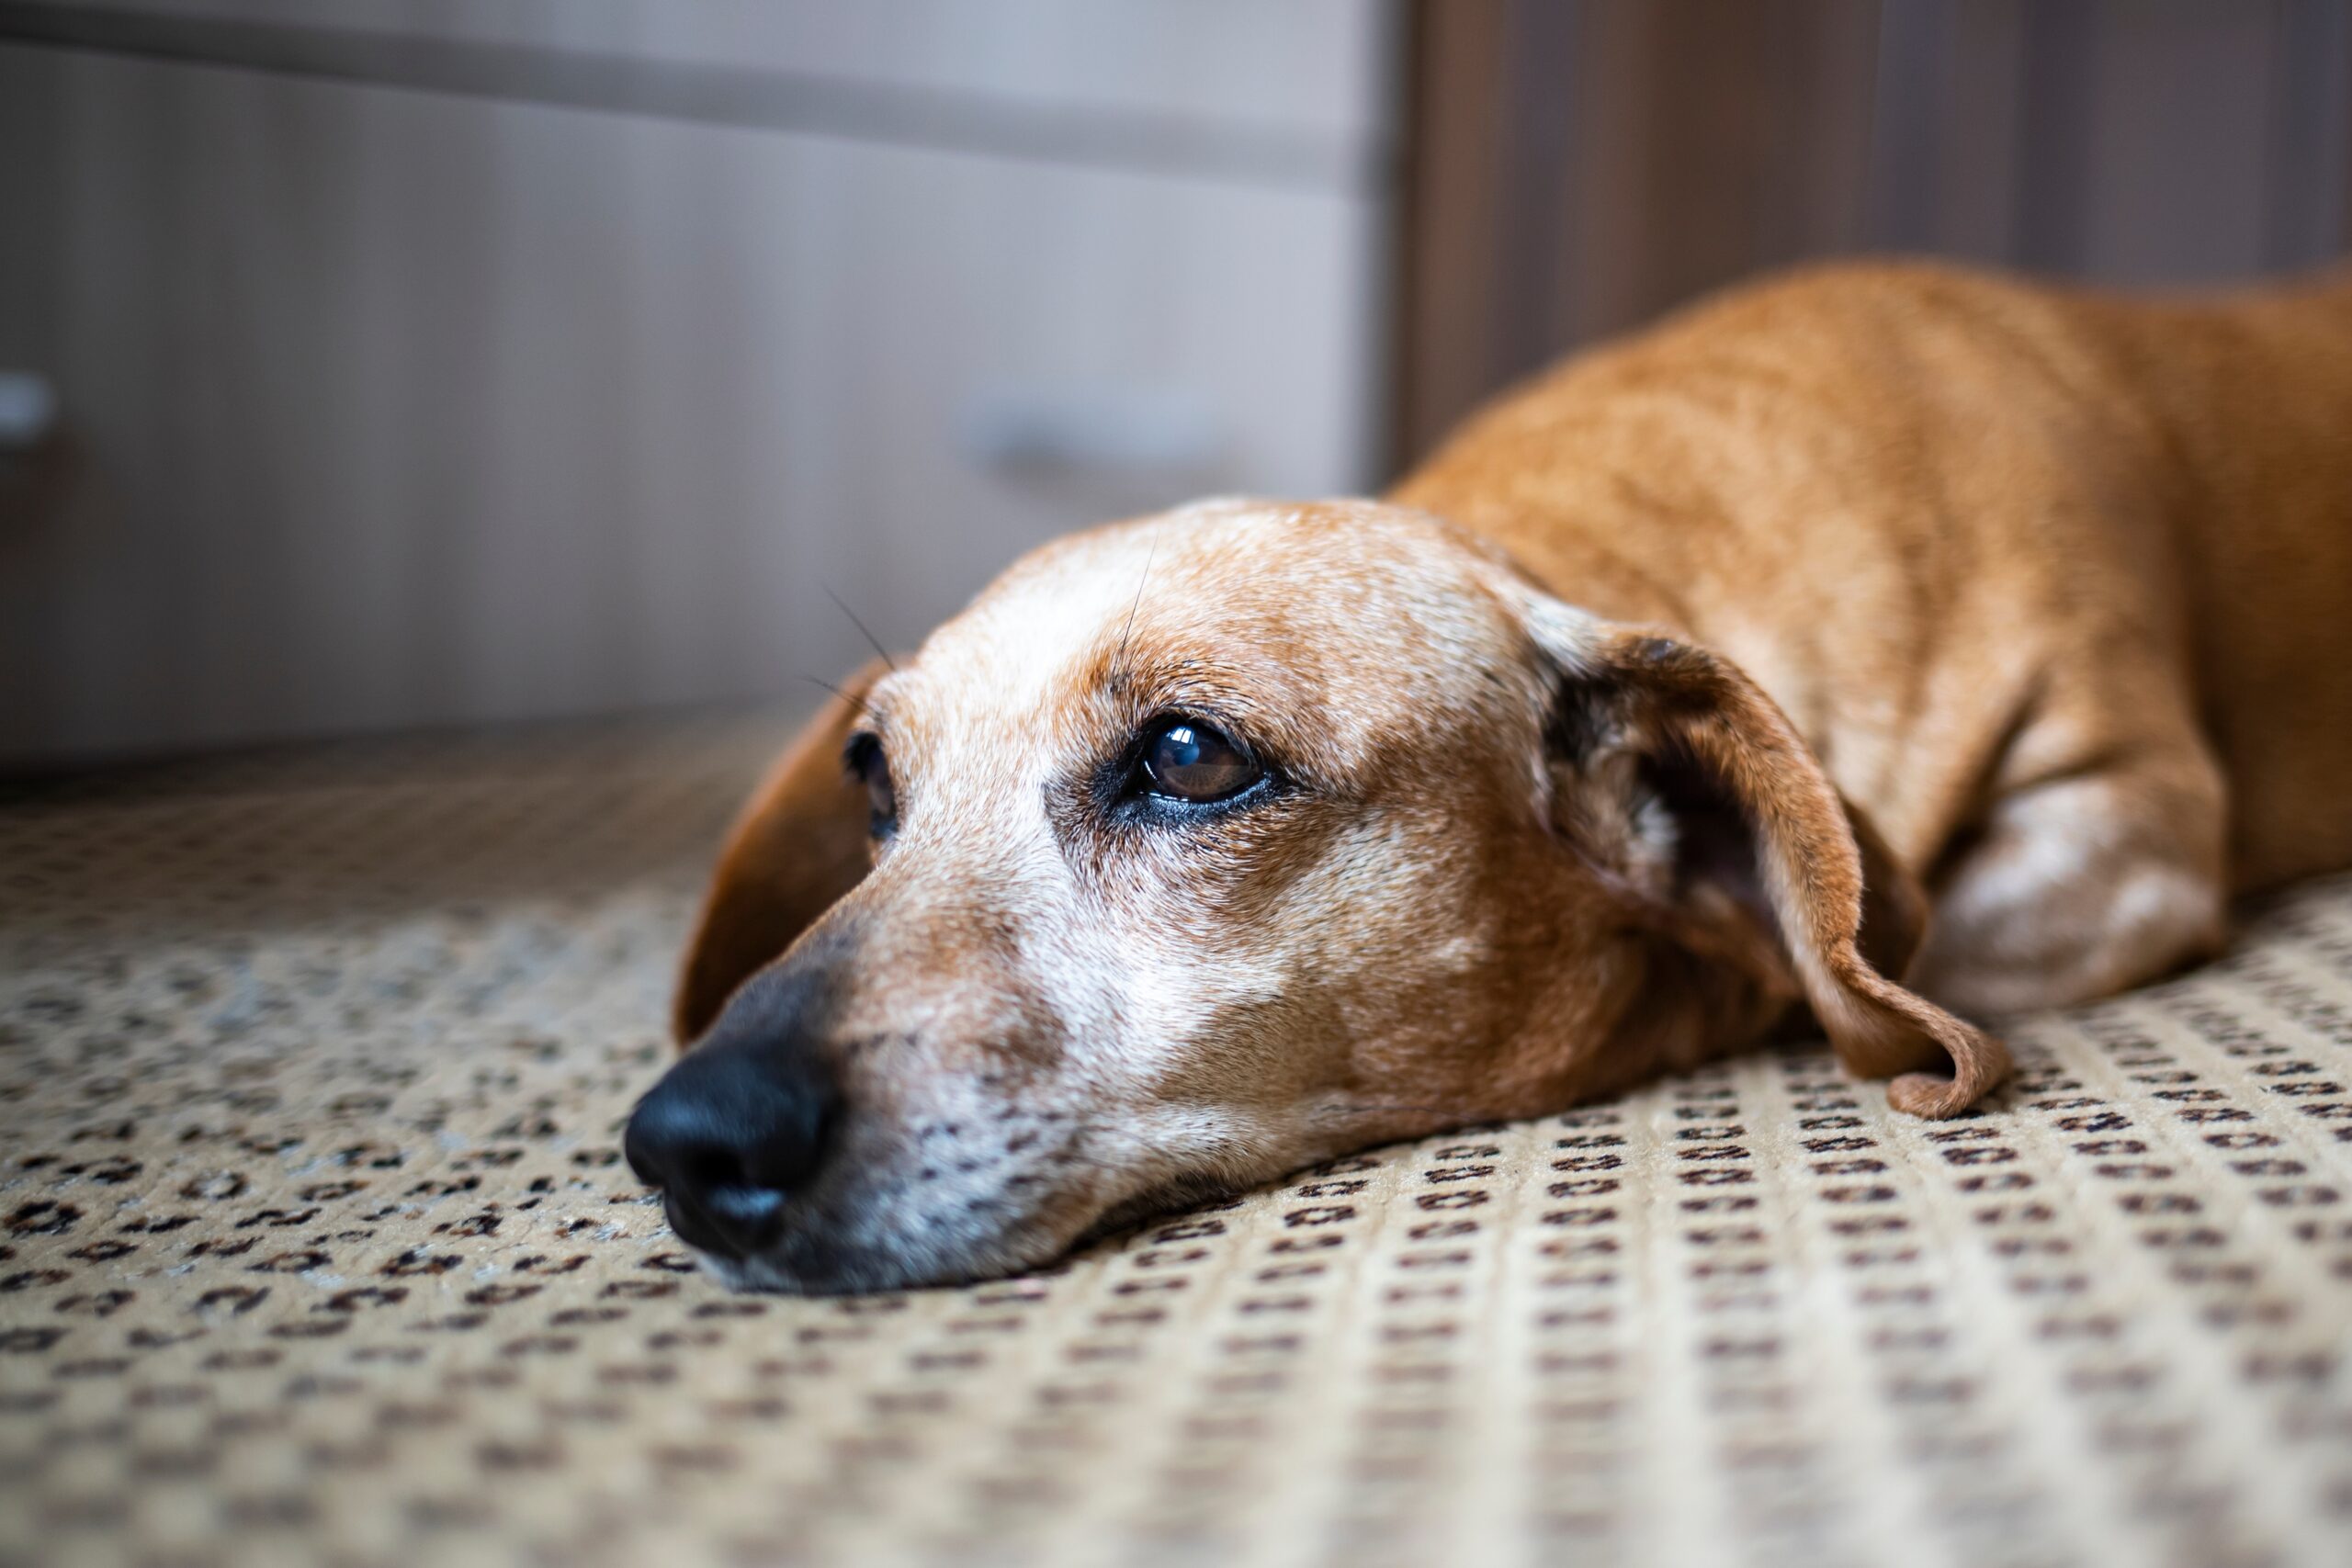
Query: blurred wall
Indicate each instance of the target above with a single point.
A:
(435, 362)
(1582, 164)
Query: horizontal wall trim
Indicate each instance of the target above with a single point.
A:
(750, 97)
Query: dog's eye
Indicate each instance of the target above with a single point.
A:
(870, 767)
(1186, 760)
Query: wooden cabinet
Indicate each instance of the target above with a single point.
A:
(391, 404)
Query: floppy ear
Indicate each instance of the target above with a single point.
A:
(800, 845)
(1702, 807)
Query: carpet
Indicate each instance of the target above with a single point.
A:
(316, 1247)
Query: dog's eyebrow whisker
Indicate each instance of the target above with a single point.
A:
(1119, 662)
(871, 641)
(851, 697)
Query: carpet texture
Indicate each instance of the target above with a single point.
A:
(315, 1246)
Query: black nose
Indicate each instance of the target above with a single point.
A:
(739, 1125)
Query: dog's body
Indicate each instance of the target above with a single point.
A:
(1668, 695)
(2057, 587)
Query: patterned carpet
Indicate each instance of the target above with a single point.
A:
(319, 1250)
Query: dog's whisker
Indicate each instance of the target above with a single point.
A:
(871, 641)
(850, 697)
(1119, 663)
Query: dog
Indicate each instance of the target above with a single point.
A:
(1881, 648)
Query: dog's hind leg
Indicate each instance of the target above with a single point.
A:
(2098, 864)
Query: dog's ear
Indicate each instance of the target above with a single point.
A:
(799, 844)
(1701, 807)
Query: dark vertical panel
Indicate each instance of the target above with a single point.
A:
(1824, 114)
(1911, 103)
(1705, 122)
(2059, 45)
(2308, 165)
(1605, 195)
(1455, 78)
(2172, 171)
(1609, 159)
(1749, 129)
(1538, 179)
(1945, 132)
(1980, 133)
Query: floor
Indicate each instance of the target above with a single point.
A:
(318, 1248)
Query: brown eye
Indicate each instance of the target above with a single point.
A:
(867, 765)
(1186, 760)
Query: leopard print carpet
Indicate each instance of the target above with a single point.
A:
(316, 1247)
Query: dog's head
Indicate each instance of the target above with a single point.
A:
(1205, 847)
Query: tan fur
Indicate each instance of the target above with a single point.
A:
(797, 846)
(1667, 697)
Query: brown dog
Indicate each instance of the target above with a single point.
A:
(1673, 694)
